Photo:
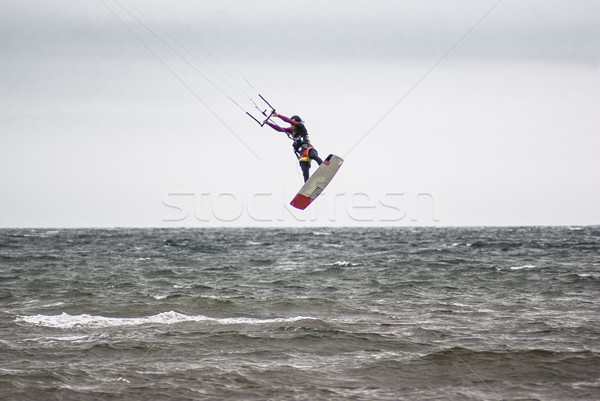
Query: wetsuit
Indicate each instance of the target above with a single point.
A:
(303, 150)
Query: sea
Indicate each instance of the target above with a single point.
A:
(482, 313)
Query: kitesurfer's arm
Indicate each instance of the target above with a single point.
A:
(286, 119)
(274, 126)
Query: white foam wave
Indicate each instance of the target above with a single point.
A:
(342, 263)
(54, 339)
(66, 321)
(522, 267)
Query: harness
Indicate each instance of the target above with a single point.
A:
(304, 155)
(301, 143)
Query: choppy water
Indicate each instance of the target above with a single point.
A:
(300, 314)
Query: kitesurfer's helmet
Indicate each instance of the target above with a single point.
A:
(296, 118)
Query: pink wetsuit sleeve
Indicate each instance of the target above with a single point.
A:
(288, 120)
(275, 126)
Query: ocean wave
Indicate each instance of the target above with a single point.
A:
(515, 366)
(66, 321)
(343, 263)
(158, 297)
(522, 267)
(255, 243)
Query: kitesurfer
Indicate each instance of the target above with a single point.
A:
(297, 132)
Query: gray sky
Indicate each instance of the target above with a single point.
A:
(97, 130)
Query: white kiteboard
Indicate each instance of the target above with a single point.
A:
(317, 182)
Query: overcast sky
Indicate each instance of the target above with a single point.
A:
(115, 113)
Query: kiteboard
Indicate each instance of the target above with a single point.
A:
(317, 182)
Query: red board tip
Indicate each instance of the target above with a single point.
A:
(301, 202)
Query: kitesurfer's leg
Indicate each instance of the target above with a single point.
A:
(314, 156)
(305, 166)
